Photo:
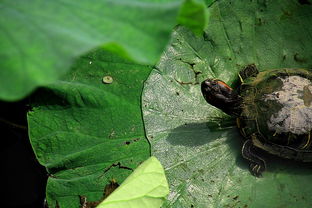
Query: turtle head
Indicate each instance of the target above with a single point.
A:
(220, 95)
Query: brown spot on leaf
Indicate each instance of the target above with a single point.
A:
(109, 188)
(88, 204)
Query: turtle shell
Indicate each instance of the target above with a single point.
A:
(276, 111)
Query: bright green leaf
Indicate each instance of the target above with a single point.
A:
(193, 10)
(198, 145)
(40, 39)
(146, 187)
(86, 132)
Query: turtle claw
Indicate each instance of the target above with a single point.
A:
(256, 163)
(256, 169)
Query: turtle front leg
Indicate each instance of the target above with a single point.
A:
(256, 164)
(249, 71)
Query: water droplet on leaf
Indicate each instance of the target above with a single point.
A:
(107, 80)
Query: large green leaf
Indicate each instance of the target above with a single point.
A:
(198, 145)
(40, 39)
(146, 187)
(87, 133)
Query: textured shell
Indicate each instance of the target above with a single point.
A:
(277, 108)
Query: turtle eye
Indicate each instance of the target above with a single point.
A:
(215, 84)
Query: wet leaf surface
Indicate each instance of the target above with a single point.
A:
(200, 146)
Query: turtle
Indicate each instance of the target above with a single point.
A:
(273, 111)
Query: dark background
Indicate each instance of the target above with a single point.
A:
(23, 178)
